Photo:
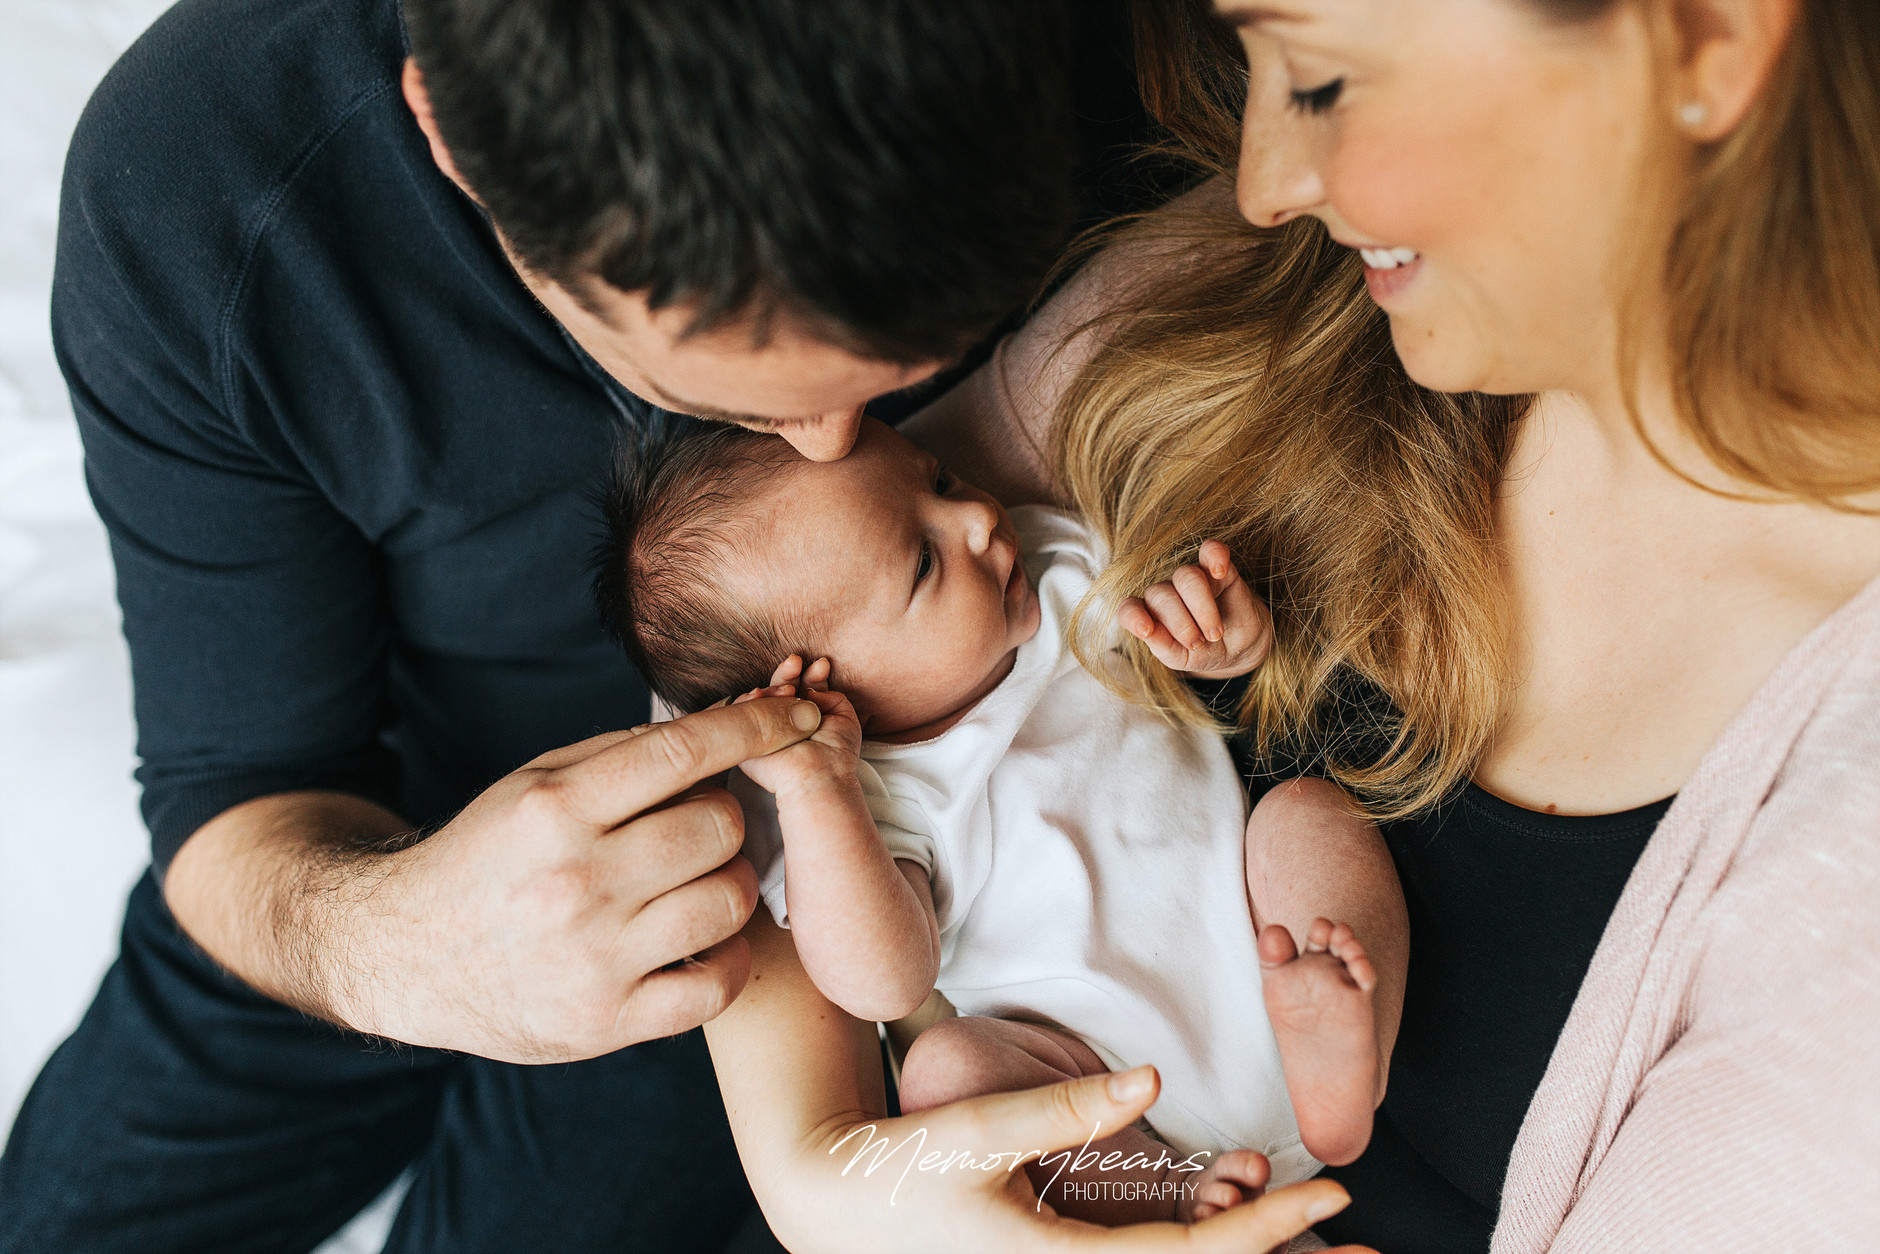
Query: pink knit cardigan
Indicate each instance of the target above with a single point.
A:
(1717, 1085)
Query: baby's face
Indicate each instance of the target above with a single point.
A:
(914, 574)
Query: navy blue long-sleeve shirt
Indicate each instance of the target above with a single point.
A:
(346, 462)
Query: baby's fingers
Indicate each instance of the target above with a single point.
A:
(1218, 561)
(1197, 594)
(787, 670)
(1249, 624)
(1171, 611)
(1134, 617)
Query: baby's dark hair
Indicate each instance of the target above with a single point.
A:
(677, 509)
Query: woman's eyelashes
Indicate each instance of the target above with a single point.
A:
(1319, 99)
(923, 565)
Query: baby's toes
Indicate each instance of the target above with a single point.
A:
(1319, 936)
(1234, 1177)
(1348, 949)
(1276, 945)
(1247, 1169)
(1216, 1195)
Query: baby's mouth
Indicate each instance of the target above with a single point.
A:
(1015, 579)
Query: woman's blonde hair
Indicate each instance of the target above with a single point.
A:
(1254, 395)
(1772, 278)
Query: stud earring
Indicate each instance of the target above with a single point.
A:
(1693, 113)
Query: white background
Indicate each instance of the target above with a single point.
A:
(71, 841)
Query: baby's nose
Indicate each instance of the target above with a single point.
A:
(984, 521)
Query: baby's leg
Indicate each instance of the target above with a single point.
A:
(972, 1055)
(1334, 992)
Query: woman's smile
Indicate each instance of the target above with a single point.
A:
(1388, 271)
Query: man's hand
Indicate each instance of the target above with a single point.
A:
(588, 901)
(831, 754)
(1204, 620)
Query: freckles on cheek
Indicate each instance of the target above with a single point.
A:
(1400, 189)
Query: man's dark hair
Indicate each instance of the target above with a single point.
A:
(679, 508)
(896, 173)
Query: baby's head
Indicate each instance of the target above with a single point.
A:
(727, 551)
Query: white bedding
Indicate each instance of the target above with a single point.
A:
(71, 840)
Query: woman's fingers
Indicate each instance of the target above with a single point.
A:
(1055, 1117)
(1261, 1224)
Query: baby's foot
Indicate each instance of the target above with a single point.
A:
(1232, 1178)
(1319, 1003)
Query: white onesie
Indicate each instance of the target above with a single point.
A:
(1088, 869)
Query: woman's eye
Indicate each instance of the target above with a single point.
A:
(1319, 99)
(942, 481)
(924, 567)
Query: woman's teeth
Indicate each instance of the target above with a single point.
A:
(1387, 258)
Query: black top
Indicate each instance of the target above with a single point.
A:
(1506, 908)
(347, 464)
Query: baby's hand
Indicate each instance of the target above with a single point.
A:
(1204, 620)
(830, 754)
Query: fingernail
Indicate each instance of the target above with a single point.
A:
(1129, 1086)
(1325, 1208)
(804, 716)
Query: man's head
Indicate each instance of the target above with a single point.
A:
(767, 211)
(727, 552)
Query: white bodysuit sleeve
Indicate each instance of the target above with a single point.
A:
(904, 830)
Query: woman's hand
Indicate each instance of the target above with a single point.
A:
(1204, 620)
(802, 1086)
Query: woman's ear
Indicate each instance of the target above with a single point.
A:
(419, 101)
(1729, 49)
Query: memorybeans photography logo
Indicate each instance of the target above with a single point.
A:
(879, 1152)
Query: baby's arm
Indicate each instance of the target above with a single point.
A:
(863, 921)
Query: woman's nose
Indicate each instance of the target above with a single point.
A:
(1278, 177)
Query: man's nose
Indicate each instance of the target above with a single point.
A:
(826, 437)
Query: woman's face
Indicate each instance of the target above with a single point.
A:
(1490, 162)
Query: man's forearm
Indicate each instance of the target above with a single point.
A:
(274, 890)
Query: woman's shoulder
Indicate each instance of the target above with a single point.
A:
(1796, 904)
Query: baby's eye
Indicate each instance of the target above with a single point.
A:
(924, 567)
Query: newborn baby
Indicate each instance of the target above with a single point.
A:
(980, 814)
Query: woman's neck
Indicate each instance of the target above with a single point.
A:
(1646, 608)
